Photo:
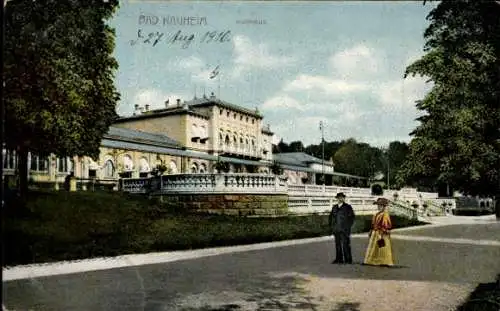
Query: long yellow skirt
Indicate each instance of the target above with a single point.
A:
(376, 255)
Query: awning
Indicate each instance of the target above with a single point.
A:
(310, 170)
(242, 161)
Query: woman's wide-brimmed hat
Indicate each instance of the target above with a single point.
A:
(340, 195)
(381, 201)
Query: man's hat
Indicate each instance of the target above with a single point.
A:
(340, 195)
(381, 201)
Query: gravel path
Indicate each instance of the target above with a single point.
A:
(432, 275)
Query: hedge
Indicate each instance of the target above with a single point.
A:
(56, 226)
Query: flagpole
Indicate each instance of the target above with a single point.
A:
(219, 87)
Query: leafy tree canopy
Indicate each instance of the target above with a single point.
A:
(457, 141)
(58, 71)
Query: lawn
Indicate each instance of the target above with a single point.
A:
(55, 226)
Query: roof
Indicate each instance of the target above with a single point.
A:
(160, 113)
(296, 158)
(122, 134)
(213, 101)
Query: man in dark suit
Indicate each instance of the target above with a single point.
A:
(341, 221)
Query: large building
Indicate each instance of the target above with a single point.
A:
(185, 137)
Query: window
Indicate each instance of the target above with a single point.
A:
(9, 159)
(109, 169)
(62, 165)
(247, 119)
(241, 141)
(227, 141)
(253, 121)
(227, 114)
(221, 111)
(234, 116)
(221, 139)
(173, 167)
(241, 118)
(92, 173)
(194, 168)
(39, 163)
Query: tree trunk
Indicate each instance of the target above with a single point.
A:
(497, 206)
(23, 172)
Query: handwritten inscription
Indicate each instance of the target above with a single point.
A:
(153, 38)
(170, 20)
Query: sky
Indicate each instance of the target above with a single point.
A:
(298, 63)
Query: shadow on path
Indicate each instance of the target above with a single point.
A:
(486, 297)
(347, 306)
(282, 292)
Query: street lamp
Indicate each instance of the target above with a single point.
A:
(322, 128)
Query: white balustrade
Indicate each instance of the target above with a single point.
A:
(135, 185)
(301, 198)
(222, 183)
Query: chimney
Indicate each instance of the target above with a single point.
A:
(147, 107)
(178, 102)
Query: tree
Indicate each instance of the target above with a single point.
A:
(458, 139)
(59, 77)
(395, 156)
(296, 146)
(358, 159)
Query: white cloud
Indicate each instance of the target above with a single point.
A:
(191, 63)
(200, 70)
(355, 62)
(326, 85)
(355, 99)
(400, 96)
(282, 102)
(249, 55)
(156, 98)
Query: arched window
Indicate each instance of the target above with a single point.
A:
(144, 168)
(235, 141)
(194, 168)
(227, 141)
(203, 168)
(109, 169)
(128, 164)
(173, 167)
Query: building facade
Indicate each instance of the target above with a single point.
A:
(185, 137)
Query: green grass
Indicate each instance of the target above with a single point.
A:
(54, 226)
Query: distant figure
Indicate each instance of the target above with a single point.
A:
(341, 220)
(67, 181)
(379, 251)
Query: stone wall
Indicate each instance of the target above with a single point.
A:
(231, 204)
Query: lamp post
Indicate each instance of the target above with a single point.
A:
(322, 128)
(386, 151)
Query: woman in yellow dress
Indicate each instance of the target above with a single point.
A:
(379, 251)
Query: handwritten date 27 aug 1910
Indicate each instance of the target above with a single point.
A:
(184, 39)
